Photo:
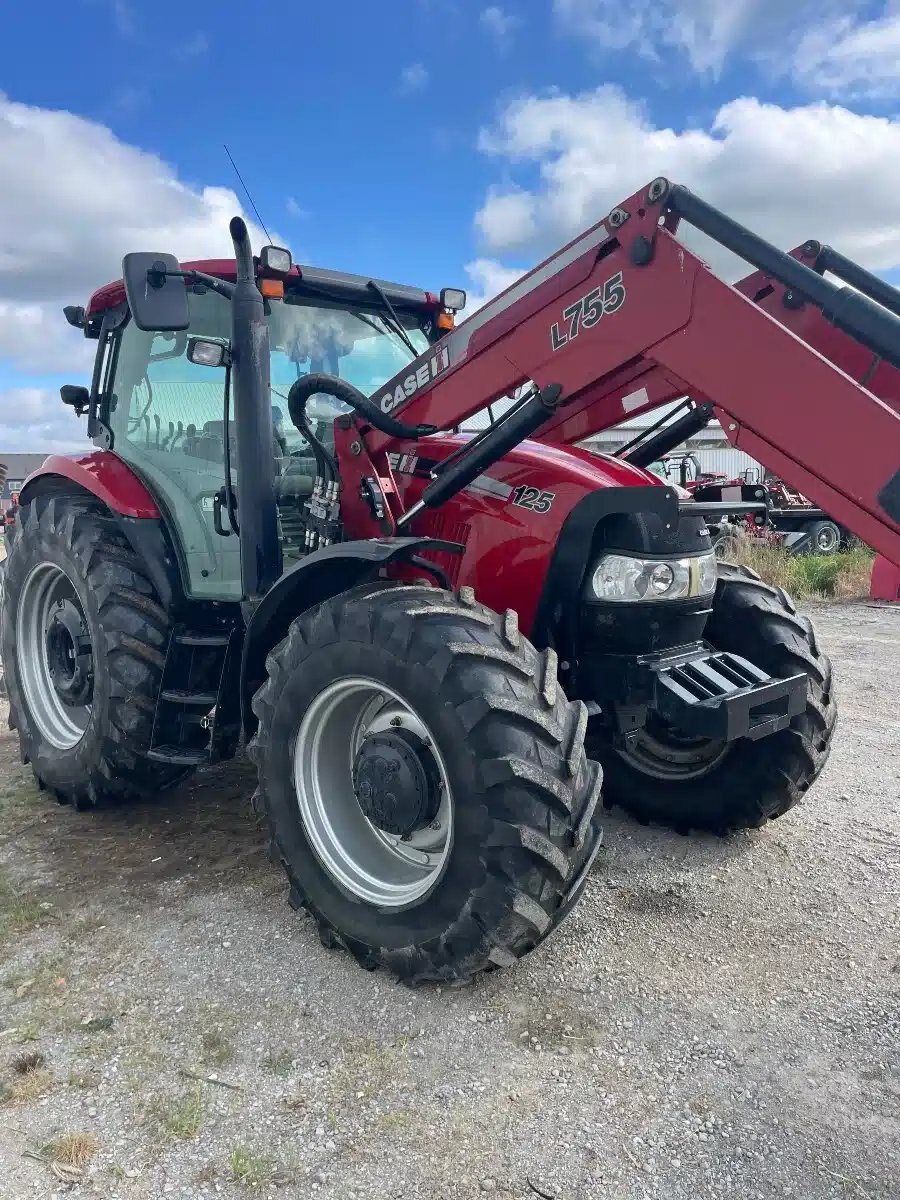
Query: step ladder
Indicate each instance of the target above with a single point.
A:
(193, 726)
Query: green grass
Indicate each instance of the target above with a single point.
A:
(250, 1169)
(842, 576)
(215, 1049)
(21, 908)
(180, 1116)
(278, 1062)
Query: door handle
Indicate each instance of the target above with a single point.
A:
(218, 507)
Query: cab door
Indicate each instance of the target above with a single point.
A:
(166, 415)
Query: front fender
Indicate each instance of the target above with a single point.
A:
(319, 576)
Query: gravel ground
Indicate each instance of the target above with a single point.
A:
(717, 1018)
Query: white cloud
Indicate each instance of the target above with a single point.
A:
(413, 78)
(790, 174)
(508, 218)
(35, 337)
(488, 278)
(35, 420)
(194, 47)
(497, 22)
(124, 18)
(849, 58)
(73, 200)
(295, 210)
(705, 31)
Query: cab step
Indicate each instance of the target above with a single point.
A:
(194, 725)
(202, 639)
(179, 696)
(179, 756)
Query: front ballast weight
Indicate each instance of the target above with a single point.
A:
(715, 694)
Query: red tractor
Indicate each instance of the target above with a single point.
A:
(435, 644)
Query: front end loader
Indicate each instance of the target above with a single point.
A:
(434, 644)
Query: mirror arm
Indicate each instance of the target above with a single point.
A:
(221, 286)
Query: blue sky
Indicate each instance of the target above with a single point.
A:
(435, 143)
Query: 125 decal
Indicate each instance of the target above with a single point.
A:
(586, 312)
(533, 498)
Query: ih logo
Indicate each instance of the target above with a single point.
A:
(586, 312)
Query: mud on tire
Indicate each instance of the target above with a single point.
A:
(129, 631)
(754, 782)
(525, 796)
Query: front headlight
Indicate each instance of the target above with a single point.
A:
(621, 577)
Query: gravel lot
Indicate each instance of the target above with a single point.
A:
(717, 1018)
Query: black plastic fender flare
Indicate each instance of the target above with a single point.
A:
(315, 578)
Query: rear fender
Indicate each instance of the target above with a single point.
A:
(101, 473)
(319, 576)
(105, 478)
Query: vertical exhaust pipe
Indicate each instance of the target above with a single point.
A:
(257, 515)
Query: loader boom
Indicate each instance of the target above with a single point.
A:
(808, 322)
(625, 318)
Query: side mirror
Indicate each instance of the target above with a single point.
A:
(156, 293)
(74, 315)
(77, 396)
(203, 353)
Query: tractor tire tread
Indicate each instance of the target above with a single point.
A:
(135, 629)
(539, 797)
(786, 763)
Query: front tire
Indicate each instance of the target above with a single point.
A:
(508, 748)
(720, 788)
(84, 640)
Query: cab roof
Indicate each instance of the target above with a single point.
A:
(339, 285)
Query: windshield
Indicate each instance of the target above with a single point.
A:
(357, 346)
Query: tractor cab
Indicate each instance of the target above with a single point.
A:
(161, 405)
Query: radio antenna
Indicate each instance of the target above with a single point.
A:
(247, 192)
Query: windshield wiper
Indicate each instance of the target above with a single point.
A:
(390, 318)
(386, 326)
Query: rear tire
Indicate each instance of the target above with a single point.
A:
(824, 537)
(525, 798)
(77, 548)
(749, 783)
(728, 544)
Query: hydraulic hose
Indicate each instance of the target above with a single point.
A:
(325, 463)
(309, 385)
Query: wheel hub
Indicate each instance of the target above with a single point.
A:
(397, 782)
(69, 655)
(365, 763)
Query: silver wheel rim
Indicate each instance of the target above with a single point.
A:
(45, 587)
(828, 540)
(377, 867)
(666, 755)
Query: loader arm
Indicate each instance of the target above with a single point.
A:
(808, 322)
(625, 318)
